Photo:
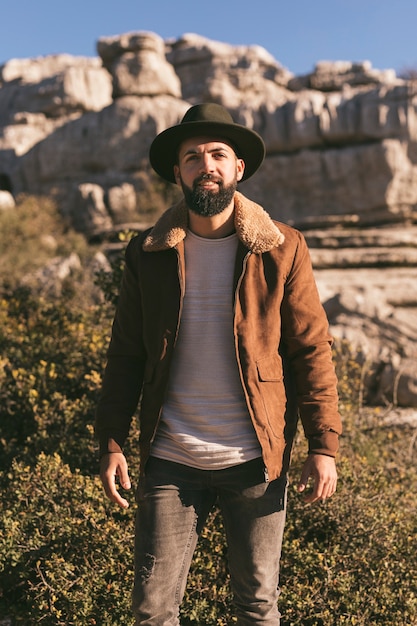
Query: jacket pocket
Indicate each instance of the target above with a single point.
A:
(272, 391)
(270, 369)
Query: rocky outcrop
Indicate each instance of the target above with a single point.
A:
(37, 96)
(341, 164)
(138, 66)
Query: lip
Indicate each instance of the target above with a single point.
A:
(208, 183)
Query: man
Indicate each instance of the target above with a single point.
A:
(220, 333)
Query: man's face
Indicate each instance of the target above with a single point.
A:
(208, 171)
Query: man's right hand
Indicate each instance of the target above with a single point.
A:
(114, 465)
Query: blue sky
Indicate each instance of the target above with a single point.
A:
(298, 33)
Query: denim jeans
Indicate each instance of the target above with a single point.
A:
(174, 502)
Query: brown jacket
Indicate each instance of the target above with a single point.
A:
(283, 347)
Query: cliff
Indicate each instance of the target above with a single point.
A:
(341, 164)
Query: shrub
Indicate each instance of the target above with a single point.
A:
(51, 361)
(65, 557)
(31, 235)
(352, 560)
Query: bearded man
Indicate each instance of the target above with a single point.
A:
(220, 336)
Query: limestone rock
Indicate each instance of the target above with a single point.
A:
(33, 71)
(375, 311)
(398, 384)
(39, 95)
(53, 86)
(88, 210)
(50, 279)
(374, 181)
(121, 202)
(334, 75)
(111, 48)
(138, 65)
(230, 75)
(100, 147)
(7, 201)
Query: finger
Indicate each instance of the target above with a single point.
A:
(305, 475)
(123, 476)
(323, 490)
(112, 493)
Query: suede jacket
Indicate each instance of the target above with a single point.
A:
(283, 346)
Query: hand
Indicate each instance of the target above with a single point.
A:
(114, 465)
(322, 469)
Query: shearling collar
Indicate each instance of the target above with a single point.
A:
(254, 227)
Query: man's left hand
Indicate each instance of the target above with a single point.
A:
(322, 469)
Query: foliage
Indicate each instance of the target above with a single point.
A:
(66, 552)
(353, 558)
(31, 235)
(65, 558)
(51, 359)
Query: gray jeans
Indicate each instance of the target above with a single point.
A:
(174, 502)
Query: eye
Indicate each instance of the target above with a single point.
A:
(191, 157)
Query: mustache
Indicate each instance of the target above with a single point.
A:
(203, 177)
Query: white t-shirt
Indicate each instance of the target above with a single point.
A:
(205, 421)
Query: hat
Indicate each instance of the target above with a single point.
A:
(206, 120)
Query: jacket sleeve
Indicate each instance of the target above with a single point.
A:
(123, 375)
(307, 345)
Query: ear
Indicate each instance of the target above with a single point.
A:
(240, 169)
(177, 175)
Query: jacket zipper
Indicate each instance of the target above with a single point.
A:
(181, 281)
(239, 282)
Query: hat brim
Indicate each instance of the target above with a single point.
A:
(249, 146)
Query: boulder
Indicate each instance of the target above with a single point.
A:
(138, 65)
(7, 202)
(88, 210)
(121, 202)
(50, 279)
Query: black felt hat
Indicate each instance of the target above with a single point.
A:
(206, 120)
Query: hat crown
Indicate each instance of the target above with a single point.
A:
(208, 112)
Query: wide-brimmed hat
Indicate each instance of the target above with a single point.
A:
(206, 120)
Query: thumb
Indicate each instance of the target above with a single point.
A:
(123, 475)
(305, 475)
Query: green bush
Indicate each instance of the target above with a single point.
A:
(65, 557)
(51, 360)
(31, 235)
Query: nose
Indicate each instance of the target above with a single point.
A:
(206, 163)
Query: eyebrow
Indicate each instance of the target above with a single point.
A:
(216, 149)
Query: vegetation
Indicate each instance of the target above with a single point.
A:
(66, 552)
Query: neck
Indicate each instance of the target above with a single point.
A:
(215, 227)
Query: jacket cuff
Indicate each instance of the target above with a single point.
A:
(109, 444)
(324, 443)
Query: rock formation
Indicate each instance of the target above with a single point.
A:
(341, 164)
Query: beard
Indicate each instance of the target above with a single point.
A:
(206, 202)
